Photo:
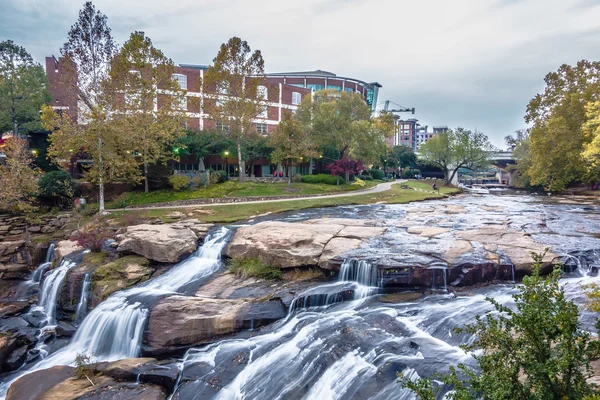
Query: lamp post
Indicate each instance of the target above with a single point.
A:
(227, 162)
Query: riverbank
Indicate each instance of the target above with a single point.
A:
(384, 193)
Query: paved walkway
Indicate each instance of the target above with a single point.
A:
(382, 187)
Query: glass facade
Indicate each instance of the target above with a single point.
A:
(334, 87)
(296, 84)
(349, 90)
(315, 87)
(370, 97)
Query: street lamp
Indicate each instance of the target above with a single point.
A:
(227, 162)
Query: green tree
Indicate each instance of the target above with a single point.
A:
(59, 186)
(87, 53)
(18, 177)
(455, 149)
(402, 156)
(23, 89)
(203, 143)
(291, 141)
(148, 103)
(254, 147)
(342, 121)
(591, 149)
(558, 115)
(237, 77)
(534, 351)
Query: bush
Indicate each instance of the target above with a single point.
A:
(93, 236)
(297, 178)
(58, 186)
(322, 178)
(252, 267)
(179, 182)
(158, 176)
(218, 176)
(366, 177)
(377, 174)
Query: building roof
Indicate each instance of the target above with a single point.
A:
(321, 74)
(194, 66)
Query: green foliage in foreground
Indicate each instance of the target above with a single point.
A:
(252, 267)
(324, 179)
(538, 351)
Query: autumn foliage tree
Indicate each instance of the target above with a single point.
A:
(148, 104)
(237, 79)
(345, 167)
(18, 178)
(291, 142)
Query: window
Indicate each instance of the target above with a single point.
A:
(181, 103)
(181, 80)
(296, 84)
(263, 129)
(349, 90)
(222, 127)
(296, 98)
(262, 93)
(334, 87)
(314, 87)
(264, 113)
(223, 88)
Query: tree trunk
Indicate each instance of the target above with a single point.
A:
(100, 177)
(449, 179)
(289, 173)
(239, 151)
(15, 129)
(146, 186)
(347, 176)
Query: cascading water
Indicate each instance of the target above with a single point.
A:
(82, 307)
(358, 279)
(113, 330)
(51, 289)
(37, 275)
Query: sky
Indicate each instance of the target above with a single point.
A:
(469, 63)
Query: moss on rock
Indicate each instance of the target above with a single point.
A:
(117, 275)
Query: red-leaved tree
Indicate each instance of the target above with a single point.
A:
(345, 166)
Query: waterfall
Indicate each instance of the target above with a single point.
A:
(83, 300)
(51, 289)
(37, 275)
(358, 279)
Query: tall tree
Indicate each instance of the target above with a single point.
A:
(455, 149)
(291, 141)
(235, 77)
(338, 120)
(254, 147)
(203, 143)
(149, 104)
(591, 150)
(558, 115)
(513, 140)
(88, 52)
(23, 89)
(403, 157)
(18, 177)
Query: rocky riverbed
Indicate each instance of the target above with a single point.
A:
(155, 293)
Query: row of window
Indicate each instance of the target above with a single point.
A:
(261, 128)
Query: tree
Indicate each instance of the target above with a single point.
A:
(203, 144)
(345, 166)
(88, 52)
(455, 149)
(18, 179)
(237, 76)
(58, 186)
(519, 136)
(291, 141)
(403, 157)
(558, 115)
(342, 121)
(591, 150)
(23, 89)
(148, 103)
(254, 147)
(536, 350)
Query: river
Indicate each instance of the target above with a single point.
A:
(327, 349)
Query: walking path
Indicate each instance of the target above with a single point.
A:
(382, 187)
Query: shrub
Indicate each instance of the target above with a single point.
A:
(322, 178)
(366, 177)
(82, 366)
(179, 182)
(93, 236)
(297, 178)
(252, 267)
(58, 186)
(158, 176)
(218, 176)
(377, 174)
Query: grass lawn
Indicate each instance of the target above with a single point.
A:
(235, 212)
(426, 185)
(233, 189)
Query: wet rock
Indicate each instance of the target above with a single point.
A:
(14, 271)
(64, 248)
(311, 243)
(427, 231)
(13, 308)
(64, 329)
(180, 321)
(8, 343)
(144, 370)
(16, 358)
(162, 243)
(126, 391)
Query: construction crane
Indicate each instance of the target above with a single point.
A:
(400, 109)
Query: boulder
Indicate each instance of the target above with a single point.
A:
(10, 308)
(168, 243)
(14, 271)
(64, 248)
(426, 231)
(8, 343)
(177, 322)
(144, 370)
(126, 391)
(310, 243)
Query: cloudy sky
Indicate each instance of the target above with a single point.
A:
(473, 63)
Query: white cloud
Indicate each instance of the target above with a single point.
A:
(474, 63)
